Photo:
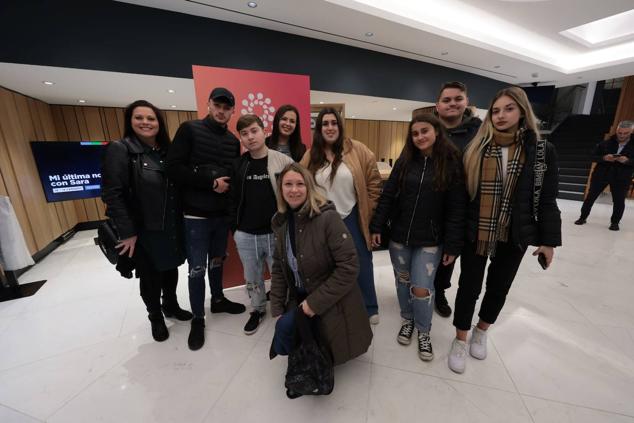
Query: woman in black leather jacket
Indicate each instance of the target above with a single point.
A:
(143, 204)
(424, 200)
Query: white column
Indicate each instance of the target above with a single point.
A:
(589, 97)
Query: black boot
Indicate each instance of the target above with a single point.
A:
(196, 338)
(442, 306)
(174, 310)
(159, 330)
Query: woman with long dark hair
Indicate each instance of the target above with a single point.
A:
(512, 181)
(143, 204)
(424, 200)
(287, 134)
(347, 171)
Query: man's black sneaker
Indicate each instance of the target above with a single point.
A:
(614, 226)
(254, 322)
(442, 306)
(196, 338)
(226, 306)
(580, 221)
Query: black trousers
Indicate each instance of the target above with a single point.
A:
(618, 188)
(152, 282)
(500, 276)
(442, 281)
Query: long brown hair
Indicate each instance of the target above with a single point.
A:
(317, 151)
(475, 149)
(295, 139)
(444, 152)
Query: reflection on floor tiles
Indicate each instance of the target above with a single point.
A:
(80, 350)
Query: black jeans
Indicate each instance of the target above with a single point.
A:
(442, 281)
(501, 273)
(152, 282)
(618, 188)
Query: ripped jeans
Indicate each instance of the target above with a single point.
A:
(415, 267)
(254, 251)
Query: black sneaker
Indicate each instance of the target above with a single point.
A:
(254, 322)
(404, 336)
(614, 226)
(196, 338)
(159, 330)
(442, 305)
(174, 310)
(580, 221)
(425, 351)
(225, 306)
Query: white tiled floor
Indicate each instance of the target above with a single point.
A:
(562, 351)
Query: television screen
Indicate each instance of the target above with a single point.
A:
(69, 170)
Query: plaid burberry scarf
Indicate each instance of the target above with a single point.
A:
(496, 194)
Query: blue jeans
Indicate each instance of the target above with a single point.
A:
(205, 240)
(366, 268)
(284, 336)
(415, 267)
(255, 250)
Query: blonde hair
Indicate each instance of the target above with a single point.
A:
(475, 150)
(314, 199)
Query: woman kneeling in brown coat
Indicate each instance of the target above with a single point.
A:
(315, 252)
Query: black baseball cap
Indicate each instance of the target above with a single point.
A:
(222, 94)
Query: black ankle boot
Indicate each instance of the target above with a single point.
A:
(442, 305)
(197, 334)
(174, 310)
(159, 330)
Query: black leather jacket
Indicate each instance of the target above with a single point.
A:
(135, 188)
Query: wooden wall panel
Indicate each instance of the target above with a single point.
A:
(625, 107)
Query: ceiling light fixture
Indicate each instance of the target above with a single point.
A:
(352, 117)
(393, 108)
(444, 53)
(171, 91)
(321, 102)
(369, 34)
(252, 4)
(173, 106)
(496, 67)
(81, 100)
(49, 83)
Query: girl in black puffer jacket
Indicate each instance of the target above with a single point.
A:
(424, 201)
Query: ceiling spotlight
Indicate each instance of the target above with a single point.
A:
(352, 117)
(48, 83)
(252, 4)
(496, 67)
(173, 106)
(444, 53)
(171, 91)
(81, 100)
(535, 75)
(321, 102)
(393, 108)
(369, 34)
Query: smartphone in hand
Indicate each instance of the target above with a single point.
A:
(541, 259)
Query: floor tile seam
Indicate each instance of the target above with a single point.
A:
(512, 381)
(367, 403)
(22, 412)
(211, 408)
(435, 376)
(577, 405)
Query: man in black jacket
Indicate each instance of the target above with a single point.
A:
(200, 162)
(615, 164)
(452, 110)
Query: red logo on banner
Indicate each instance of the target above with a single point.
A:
(260, 93)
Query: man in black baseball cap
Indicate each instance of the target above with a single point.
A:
(200, 160)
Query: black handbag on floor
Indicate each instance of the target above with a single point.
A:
(310, 365)
(107, 240)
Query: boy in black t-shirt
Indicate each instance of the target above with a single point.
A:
(253, 203)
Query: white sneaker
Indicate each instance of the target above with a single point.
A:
(374, 319)
(458, 356)
(478, 343)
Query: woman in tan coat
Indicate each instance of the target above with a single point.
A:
(315, 252)
(347, 172)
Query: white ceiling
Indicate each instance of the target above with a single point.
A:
(114, 89)
(508, 40)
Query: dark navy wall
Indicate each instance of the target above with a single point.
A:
(113, 36)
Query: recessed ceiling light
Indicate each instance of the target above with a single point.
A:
(444, 53)
(369, 34)
(81, 100)
(48, 83)
(496, 67)
(171, 91)
(393, 108)
(535, 75)
(173, 106)
(252, 4)
(321, 102)
(352, 117)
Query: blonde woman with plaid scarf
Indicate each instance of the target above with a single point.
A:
(512, 179)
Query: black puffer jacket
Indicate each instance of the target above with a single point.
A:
(462, 134)
(134, 190)
(525, 230)
(202, 151)
(420, 215)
